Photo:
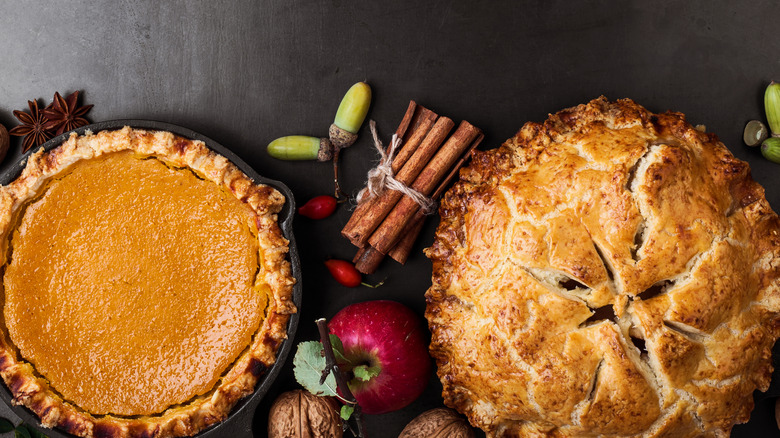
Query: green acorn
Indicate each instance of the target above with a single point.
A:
(301, 147)
(350, 115)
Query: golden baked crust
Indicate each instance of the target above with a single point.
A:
(605, 206)
(33, 391)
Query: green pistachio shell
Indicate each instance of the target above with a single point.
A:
(770, 149)
(755, 132)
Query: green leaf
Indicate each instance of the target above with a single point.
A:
(365, 372)
(336, 343)
(21, 431)
(338, 350)
(6, 425)
(308, 365)
(34, 432)
(346, 412)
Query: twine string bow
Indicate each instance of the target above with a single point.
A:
(381, 177)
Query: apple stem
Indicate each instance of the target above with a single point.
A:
(331, 366)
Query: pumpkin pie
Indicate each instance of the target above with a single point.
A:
(608, 272)
(146, 286)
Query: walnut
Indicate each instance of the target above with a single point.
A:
(299, 414)
(777, 412)
(437, 423)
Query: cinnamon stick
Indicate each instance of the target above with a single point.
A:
(421, 123)
(367, 259)
(417, 122)
(400, 252)
(359, 231)
(359, 254)
(403, 247)
(394, 223)
(411, 110)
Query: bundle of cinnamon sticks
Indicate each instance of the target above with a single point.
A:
(427, 160)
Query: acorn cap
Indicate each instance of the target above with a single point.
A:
(326, 150)
(341, 138)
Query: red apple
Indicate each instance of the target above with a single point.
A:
(391, 337)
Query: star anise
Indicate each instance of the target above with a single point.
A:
(64, 114)
(32, 128)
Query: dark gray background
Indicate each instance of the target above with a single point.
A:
(244, 73)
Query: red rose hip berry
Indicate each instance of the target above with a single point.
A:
(344, 272)
(318, 207)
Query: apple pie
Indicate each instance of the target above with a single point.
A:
(609, 272)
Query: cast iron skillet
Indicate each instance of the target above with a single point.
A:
(239, 422)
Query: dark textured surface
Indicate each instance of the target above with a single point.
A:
(244, 73)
